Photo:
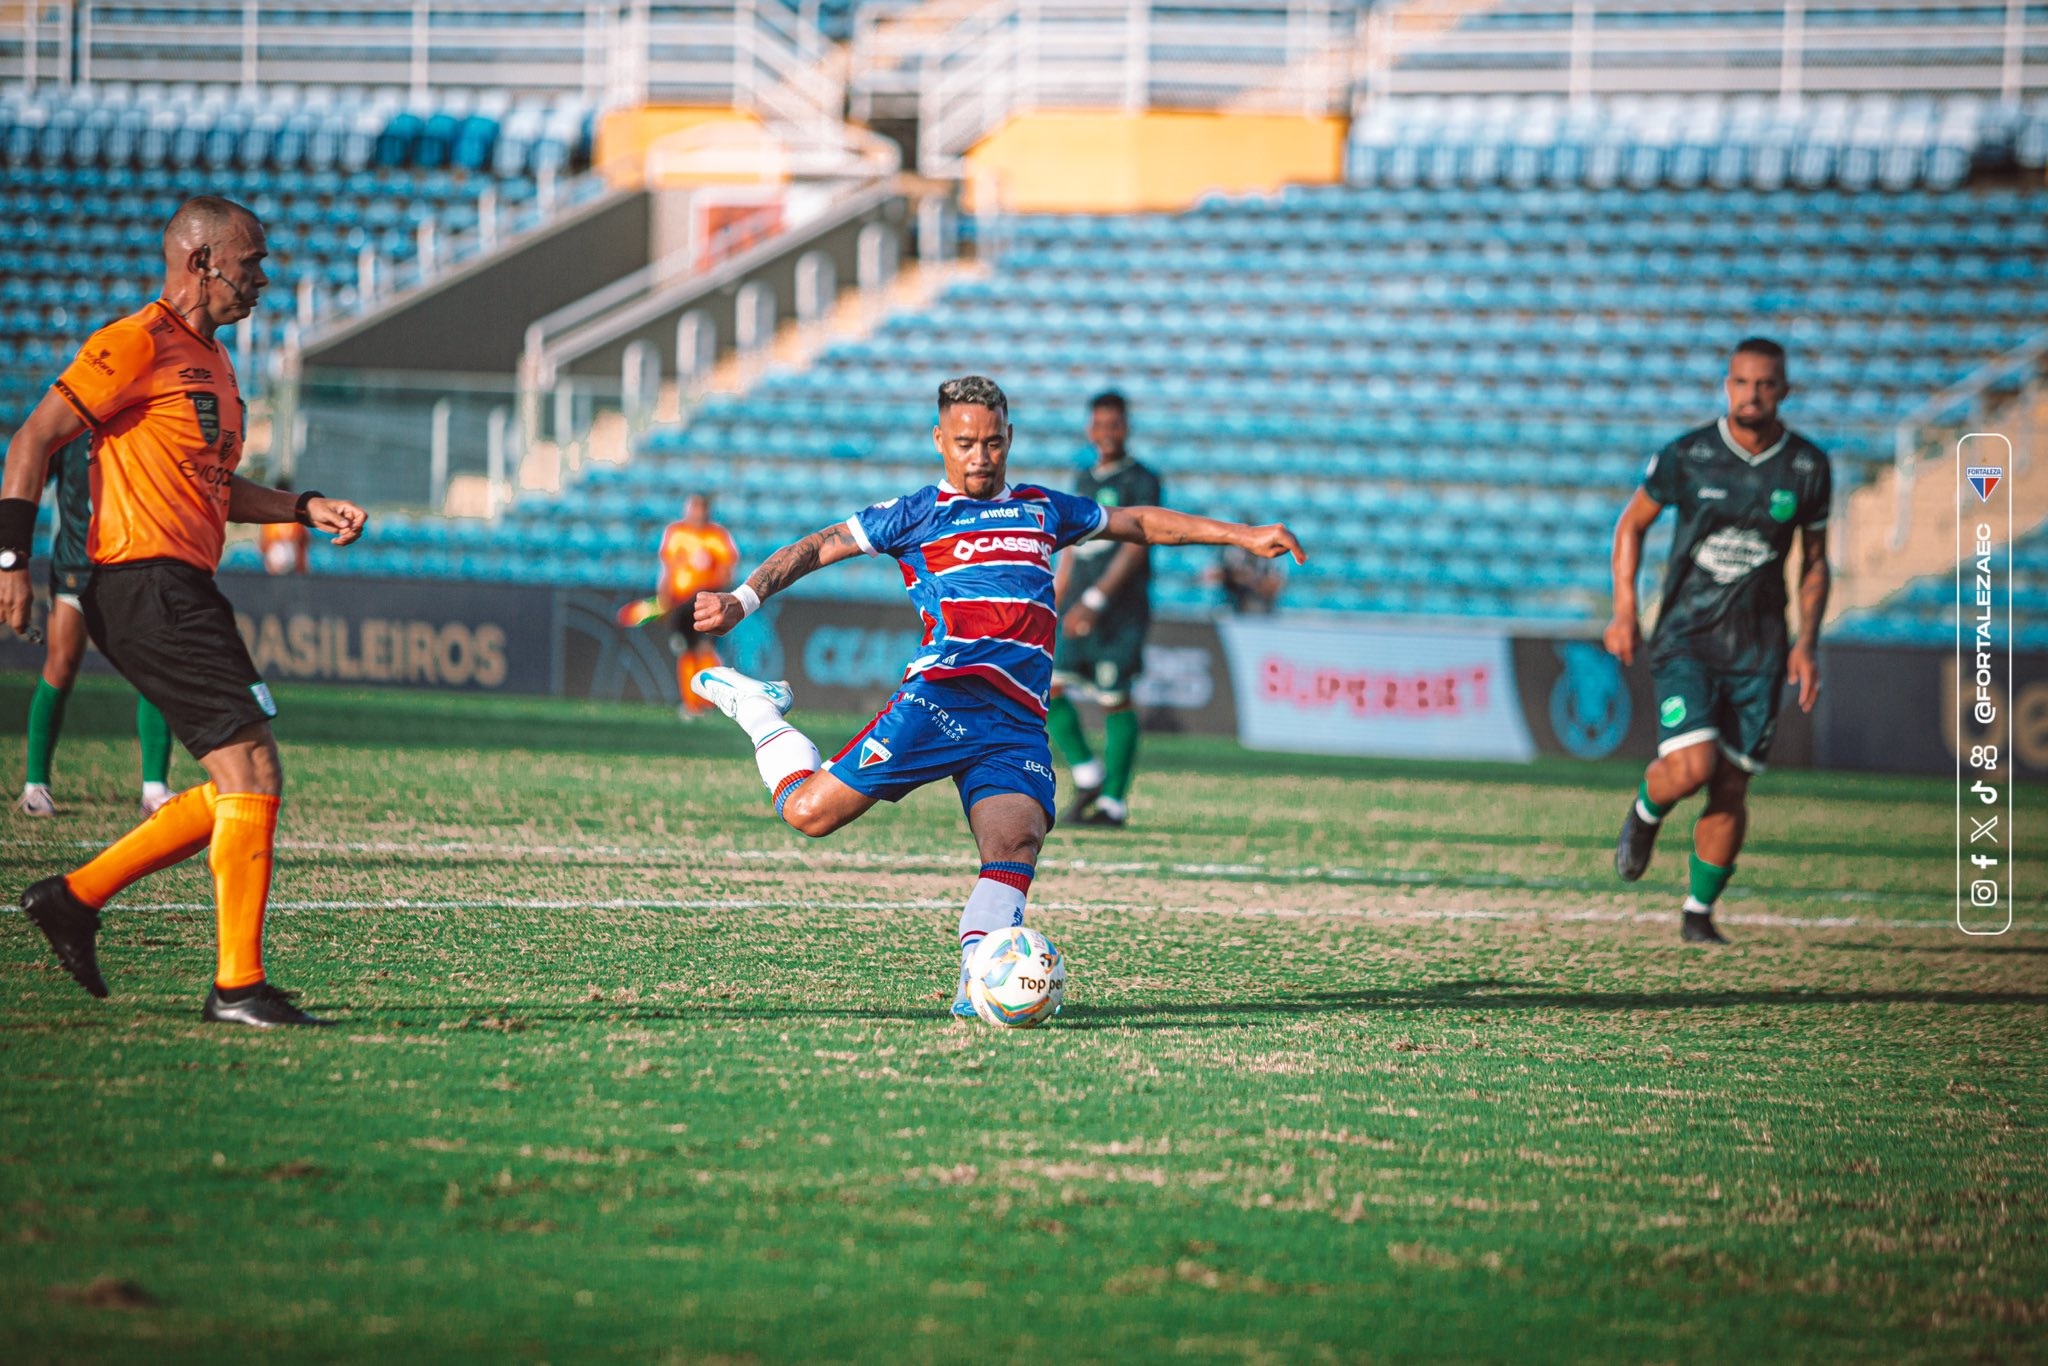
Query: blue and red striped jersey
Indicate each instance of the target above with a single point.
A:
(979, 571)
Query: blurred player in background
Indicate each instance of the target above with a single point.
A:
(287, 547)
(70, 476)
(158, 393)
(1743, 486)
(697, 556)
(977, 560)
(1105, 594)
(1249, 586)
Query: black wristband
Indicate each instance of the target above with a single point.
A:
(17, 527)
(299, 509)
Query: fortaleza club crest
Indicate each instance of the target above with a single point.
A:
(1984, 478)
(873, 751)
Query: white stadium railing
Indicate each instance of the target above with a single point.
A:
(765, 56)
(1006, 57)
(1791, 48)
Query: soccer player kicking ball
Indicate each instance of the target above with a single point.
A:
(977, 559)
(1743, 486)
(158, 393)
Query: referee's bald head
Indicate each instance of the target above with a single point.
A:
(205, 220)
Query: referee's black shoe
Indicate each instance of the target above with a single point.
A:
(71, 926)
(1638, 841)
(262, 1005)
(1698, 928)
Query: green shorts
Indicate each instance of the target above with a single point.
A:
(1106, 662)
(1738, 711)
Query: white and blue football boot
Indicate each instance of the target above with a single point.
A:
(726, 688)
(962, 1008)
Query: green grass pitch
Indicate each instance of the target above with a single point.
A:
(1360, 1061)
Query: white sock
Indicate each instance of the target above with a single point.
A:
(151, 791)
(758, 718)
(996, 903)
(1112, 806)
(27, 788)
(1643, 814)
(781, 753)
(1088, 773)
(1696, 906)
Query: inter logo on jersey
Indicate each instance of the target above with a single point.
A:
(873, 751)
(1984, 478)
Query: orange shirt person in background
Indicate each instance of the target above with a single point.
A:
(286, 546)
(697, 556)
(157, 391)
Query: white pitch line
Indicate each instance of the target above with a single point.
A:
(832, 858)
(1417, 913)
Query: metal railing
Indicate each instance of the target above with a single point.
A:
(555, 342)
(35, 42)
(764, 56)
(1792, 49)
(1013, 56)
(1928, 432)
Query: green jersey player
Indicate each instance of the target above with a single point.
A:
(1743, 487)
(1105, 597)
(70, 567)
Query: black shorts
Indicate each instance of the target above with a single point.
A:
(166, 627)
(68, 580)
(1107, 661)
(1736, 711)
(683, 635)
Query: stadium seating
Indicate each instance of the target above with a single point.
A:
(1856, 143)
(1449, 392)
(1924, 611)
(91, 180)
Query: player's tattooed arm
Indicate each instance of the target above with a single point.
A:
(717, 613)
(1164, 526)
(1803, 666)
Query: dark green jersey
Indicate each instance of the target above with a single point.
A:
(71, 475)
(1127, 485)
(1724, 590)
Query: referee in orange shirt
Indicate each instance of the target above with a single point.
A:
(158, 393)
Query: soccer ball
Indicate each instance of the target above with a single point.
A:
(1016, 979)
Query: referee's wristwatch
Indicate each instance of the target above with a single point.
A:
(12, 559)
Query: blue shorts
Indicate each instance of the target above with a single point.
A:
(931, 731)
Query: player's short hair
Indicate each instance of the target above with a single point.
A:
(1765, 347)
(973, 391)
(1110, 398)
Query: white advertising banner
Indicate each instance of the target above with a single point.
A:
(1334, 689)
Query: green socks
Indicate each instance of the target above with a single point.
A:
(1649, 810)
(1707, 884)
(45, 723)
(154, 733)
(1063, 724)
(1119, 752)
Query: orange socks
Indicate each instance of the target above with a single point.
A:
(686, 669)
(244, 829)
(241, 827)
(179, 829)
